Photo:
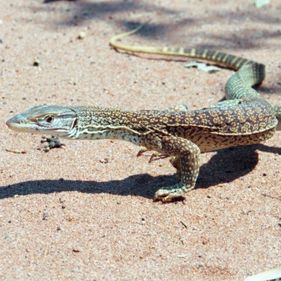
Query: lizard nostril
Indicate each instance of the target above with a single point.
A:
(13, 121)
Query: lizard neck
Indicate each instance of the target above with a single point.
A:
(103, 123)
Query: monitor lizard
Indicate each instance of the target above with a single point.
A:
(244, 118)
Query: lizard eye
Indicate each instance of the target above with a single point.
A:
(49, 118)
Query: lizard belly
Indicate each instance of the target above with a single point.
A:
(208, 141)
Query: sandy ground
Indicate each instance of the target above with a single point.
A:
(85, 212)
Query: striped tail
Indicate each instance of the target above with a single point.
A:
(249, 73)
(223, 59)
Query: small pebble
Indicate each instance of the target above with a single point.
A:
(81, 35)
(75, 250)
(104, 161)
(45, 216)
(36, 62)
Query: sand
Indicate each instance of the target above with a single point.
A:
(85, 211)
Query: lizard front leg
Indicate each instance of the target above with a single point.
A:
(51, 142)
(186, 162)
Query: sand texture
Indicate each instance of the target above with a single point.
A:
(85, 211)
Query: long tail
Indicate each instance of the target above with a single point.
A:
(226, 60)
(249, 73)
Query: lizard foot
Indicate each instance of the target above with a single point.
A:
(170, 194)
(52, 142)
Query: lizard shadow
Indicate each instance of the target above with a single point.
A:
(229, 164)
(225, 166)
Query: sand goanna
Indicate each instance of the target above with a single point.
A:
(244, 118)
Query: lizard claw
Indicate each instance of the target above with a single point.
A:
(142, 151)
(153, 157)
(156, 156)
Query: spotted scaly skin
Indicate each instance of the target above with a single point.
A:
(244, 118)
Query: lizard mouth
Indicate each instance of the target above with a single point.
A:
(21, 124)
(16, 123)
(52, 120)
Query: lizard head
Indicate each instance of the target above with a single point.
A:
(47, 119)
